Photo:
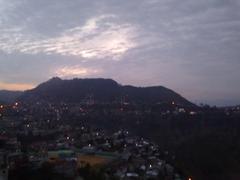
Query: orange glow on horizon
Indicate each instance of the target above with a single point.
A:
(15, 86)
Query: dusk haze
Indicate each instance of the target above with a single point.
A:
(119, 90)
(189, 46)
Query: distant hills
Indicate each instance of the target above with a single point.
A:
(100, 91)
(9, 96)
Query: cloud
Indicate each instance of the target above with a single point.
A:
(98, 38)
(75, 71)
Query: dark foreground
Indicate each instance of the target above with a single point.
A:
(197, 143)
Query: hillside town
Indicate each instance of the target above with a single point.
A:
(72, 141)
(56, 135)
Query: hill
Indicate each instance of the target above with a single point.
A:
(100, 91)
(9, 96)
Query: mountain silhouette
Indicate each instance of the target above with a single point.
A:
(100, 91)
(9, 96)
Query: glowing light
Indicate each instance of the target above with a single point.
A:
(192, 113)
(74, 71)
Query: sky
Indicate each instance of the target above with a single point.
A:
(190, 46)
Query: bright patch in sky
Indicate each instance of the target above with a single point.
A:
(99, 37)
(75, 71)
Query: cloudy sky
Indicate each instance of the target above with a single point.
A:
(190, 46)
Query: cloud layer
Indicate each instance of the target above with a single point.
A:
(189, 46)
(97, 38)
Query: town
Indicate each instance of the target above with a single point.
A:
(42, 134)
(43, 140)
